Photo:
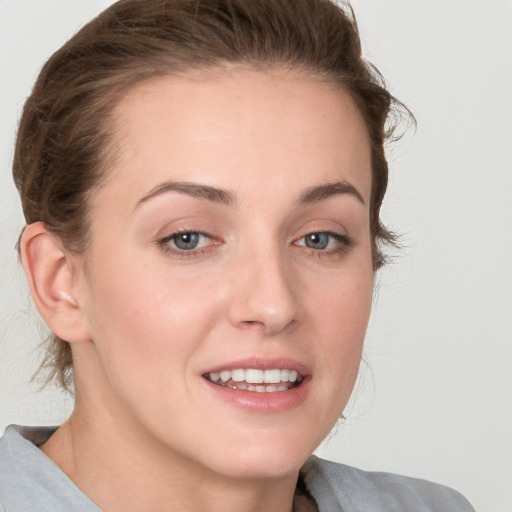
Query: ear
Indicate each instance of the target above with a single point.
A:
(51, 275)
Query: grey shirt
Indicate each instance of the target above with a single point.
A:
(30, 481)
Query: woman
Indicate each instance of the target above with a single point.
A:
(202, 183)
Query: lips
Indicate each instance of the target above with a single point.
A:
(258, 380)
(261, 386)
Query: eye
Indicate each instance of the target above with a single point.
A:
(317, 241)
(186, 241)
(325, 241)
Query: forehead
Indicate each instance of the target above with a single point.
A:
(234, 128)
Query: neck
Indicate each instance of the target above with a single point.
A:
(121, 472)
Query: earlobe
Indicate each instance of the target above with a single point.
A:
(50, 277)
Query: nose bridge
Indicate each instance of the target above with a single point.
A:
(265, 295)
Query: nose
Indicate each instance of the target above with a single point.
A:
(265, 295)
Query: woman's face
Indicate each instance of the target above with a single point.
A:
(228, 284)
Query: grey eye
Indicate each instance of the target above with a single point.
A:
(186, 241)
(317, 241)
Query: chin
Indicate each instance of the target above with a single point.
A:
(267, 455)
(261, 466)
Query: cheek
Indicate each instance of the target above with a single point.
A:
(340, 321)
(137, 313)
(145, 330)
(342, 304)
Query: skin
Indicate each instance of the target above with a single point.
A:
(148, 432)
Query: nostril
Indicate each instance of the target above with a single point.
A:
(268, 328)
(253, 323)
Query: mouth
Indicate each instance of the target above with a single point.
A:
(256, 380)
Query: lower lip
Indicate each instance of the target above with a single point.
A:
(266, 402)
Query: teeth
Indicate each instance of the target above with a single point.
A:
(225, 375)
(238, 375)
(272, 376)
(252, 376)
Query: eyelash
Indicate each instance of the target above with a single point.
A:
(344, 243)
(163, 243)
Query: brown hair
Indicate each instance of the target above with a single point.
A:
(64, 142)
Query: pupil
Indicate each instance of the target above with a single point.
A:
(317, 241)
(186, 241)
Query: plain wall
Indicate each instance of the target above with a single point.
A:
(435, 395)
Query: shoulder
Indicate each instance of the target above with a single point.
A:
(31, 481)
(352, 489)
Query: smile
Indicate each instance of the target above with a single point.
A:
(262, 381)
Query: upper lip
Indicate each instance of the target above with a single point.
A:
(257, 363)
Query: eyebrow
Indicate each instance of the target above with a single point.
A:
(222, 196)
(319, 193)
(206, 192)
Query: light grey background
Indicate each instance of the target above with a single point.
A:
(437, 402)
